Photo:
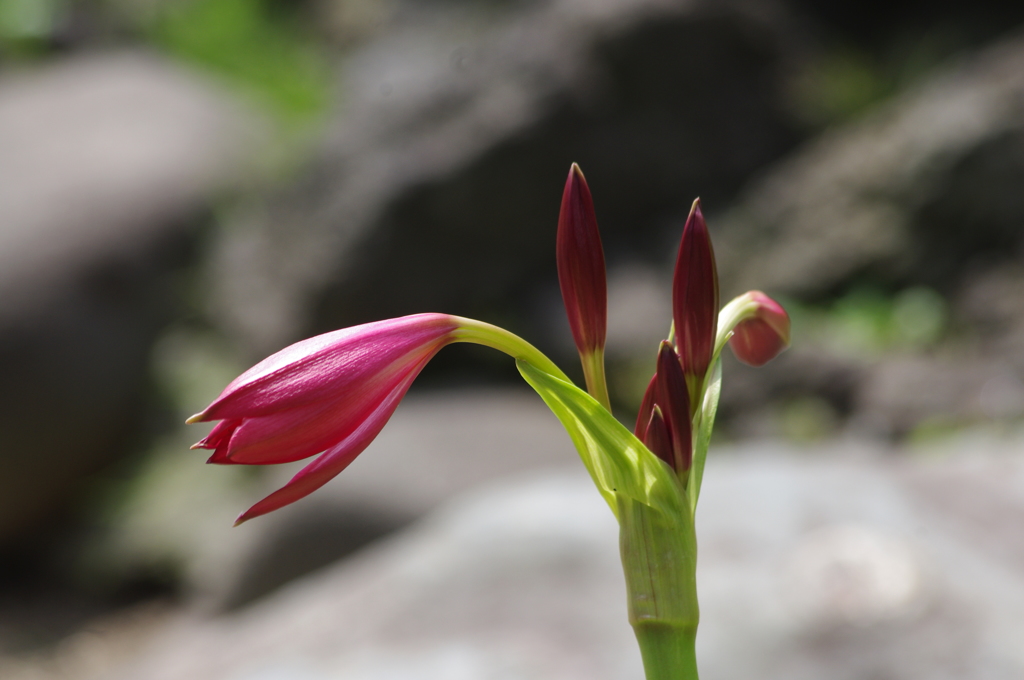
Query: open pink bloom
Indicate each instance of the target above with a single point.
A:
(695, 299)
(760, 337)
(332, 393)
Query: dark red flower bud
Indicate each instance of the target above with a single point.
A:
(581, 271)
(657, 437)
(695, 298)
(646, 407)
(673, 397)
(663, 423)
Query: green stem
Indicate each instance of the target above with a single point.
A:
(593, 372)
(738, 309)
(489, 335)
(667, 651)
(659, 560)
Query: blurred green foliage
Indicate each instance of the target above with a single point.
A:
(26, 25)
(258, 46)
(844, 80)
(867, 322)
(268, 50)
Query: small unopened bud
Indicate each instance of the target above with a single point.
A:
(762, 333)
(663, 423)
(657, 437)
(674, 399)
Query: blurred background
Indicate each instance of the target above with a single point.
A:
(189, 185)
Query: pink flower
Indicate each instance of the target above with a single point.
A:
(695, 300)
(763, 333)
(332, 393)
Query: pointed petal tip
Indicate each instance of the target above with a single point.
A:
(241, 519)
(696, 216)
(197, 418)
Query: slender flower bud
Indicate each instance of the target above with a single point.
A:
(581, 277)
(643, 418)
(761, 336)
(695, 300)
(673, 398)
(581, 272)
(664, 423)
(657, 438)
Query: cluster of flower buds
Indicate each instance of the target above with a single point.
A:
(757, 327)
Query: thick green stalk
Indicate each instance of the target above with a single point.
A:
(667, 651)
(659, 559)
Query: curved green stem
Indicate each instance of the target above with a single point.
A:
(489, 335)
(738, 309)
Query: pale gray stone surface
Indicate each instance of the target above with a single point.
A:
(437, 444)
(838, 562)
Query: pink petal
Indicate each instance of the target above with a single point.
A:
(218, 439)
(220, 434)
(336, 459)
(322, 367)
(301, 432)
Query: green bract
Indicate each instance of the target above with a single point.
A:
(620, 465)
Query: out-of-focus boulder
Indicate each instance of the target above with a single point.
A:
(108, 164)
(437, 445)
(925, 190)
(922, 190)
(440, 185)
(847, 564)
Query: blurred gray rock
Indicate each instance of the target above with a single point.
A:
(438, 444)
(925, 190)
(440, 183)
(843, 563)
(108, 167)
(921, 190)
